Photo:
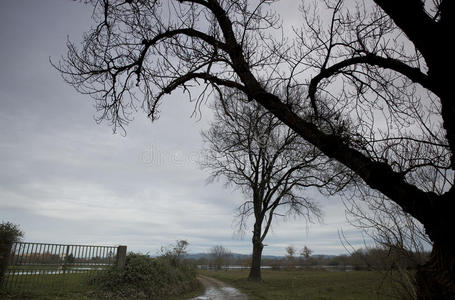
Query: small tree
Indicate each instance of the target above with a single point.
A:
(306, 252)
(220, 256)
(305, 255)
(180, 248)
(290, 255)
(175, 252)
(9, 233)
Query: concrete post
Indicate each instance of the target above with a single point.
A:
(121, 256)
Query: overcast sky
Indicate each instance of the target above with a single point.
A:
(66, 179)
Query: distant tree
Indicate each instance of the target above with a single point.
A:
(219, 256)
(180, 248)
(9, 233)
(305, 254)
(290, 255)
(202, 261)
(175, 252)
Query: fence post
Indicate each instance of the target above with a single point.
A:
(65, 259)
(121, 256)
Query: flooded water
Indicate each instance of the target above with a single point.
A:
(346, 268)
(217, 290)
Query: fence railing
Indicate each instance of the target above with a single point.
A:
(54, 265)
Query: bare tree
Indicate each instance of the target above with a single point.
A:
(290, 256)
(175, 252)
(180, 248)
(381, 99)
(306, 252)
(290, 252)
(397, 238)
(305, 255)
(220, 256)
(253, 151)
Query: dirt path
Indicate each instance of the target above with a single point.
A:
(217, 290)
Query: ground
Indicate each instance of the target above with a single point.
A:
(217, 290)
(312, 284)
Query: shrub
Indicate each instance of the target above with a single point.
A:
(147, 277)
(9, 233)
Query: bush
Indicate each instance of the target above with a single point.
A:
(9, 233)
(147, 277)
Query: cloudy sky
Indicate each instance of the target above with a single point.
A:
(66, 179)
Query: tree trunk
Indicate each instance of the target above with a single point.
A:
(255, 271)
(436, 278)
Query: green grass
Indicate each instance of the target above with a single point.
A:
(283, 285)
(308, 284)
(66, 287)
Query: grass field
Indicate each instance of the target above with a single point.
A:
(68, 286)
(65, 287)
(309, 284)
(276, 285)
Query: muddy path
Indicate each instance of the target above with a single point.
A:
(217, 290)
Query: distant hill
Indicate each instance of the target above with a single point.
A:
(323, 256)
(242, 256)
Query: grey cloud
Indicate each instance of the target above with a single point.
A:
(64, 178)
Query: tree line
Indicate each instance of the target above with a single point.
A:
(372, 259)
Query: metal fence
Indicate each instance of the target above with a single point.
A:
(56, 265)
